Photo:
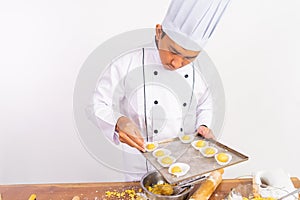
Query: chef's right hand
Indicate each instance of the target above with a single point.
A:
(129, 133)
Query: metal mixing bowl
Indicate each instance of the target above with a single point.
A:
(154, 177)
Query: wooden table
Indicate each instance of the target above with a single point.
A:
(96, 191)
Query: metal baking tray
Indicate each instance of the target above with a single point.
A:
(186, 153)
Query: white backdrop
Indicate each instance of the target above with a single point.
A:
(43, 45)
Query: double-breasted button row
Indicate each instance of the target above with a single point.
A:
(156, 73)
(156, 102)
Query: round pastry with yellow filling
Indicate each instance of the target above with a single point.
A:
(176, 169)
(186, 138)
(223, 158)
(166, 161)
(161, 152)
(198, 144)
(208, 151)
(151, 146)
(179, 169)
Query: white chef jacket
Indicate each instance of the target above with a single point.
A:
(136, 85)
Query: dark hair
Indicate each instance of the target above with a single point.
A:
(162, 33)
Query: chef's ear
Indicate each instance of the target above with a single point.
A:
(158, 31)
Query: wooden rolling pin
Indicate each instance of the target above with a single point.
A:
(208, 186)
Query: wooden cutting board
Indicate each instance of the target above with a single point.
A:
(96, 191)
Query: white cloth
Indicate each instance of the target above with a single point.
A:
(277, 183)
(190, 23)
(120, 92)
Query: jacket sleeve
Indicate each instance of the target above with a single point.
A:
(108, 92)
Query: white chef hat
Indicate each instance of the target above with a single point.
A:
(190, 23)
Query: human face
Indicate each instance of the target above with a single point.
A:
(172, 55)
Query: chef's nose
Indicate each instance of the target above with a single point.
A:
(177, 61)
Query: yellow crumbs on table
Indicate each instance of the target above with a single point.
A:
(126, 194)
(32, 197)
(259, 198)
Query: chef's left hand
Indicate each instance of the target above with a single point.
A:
(206, 132)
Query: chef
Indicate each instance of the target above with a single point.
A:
(158, 92)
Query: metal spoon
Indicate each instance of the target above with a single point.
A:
(178, 190)
(182, 186)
